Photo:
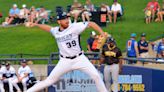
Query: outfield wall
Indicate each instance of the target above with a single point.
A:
(132, 79)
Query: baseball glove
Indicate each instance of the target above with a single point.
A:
(101, 40)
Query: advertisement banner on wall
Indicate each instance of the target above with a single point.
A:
(132, 83)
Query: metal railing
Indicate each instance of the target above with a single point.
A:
(55, 56)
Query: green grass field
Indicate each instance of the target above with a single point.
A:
(19, 39)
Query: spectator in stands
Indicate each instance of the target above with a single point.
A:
(1, 78)
(23, 15)
(91, 42)
(23, 75)
(10, 75)
(95, 49)
(154, 7)
(148, 15)
(106, 8)
(116, 10)
(13, 16)
(43, 15)
(160, 14)
(33, 15)
(76, 10)
(88, 8)
(143, 46)
(132, 49)
(160, 48)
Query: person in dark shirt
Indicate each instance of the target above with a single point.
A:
(90, 41)
(91, 44)
(111, 57)
(143, 46)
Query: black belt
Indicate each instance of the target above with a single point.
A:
(73, 57)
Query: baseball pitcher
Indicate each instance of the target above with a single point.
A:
(71, 55)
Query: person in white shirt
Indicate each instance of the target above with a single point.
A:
(23, 14)
(9, 75)
(116, 9)
(1, 78)
(23, 75)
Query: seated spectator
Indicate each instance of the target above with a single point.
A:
(160, 14)
(43, 15)
(106, 8)
(33, 15)
(160, 48)
(23, 15)
(13, 16)
(10, 75)
(143, 46)
(23, 75)
(132, 49)
(88, 8)
(76, 10)
(24, 12)
(116, 10)
(154, 7)
(147, 15)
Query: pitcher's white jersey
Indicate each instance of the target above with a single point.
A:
(68, 40)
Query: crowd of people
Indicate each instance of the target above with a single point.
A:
(85, 11)
(77, 10)
(134, 49)
(154, 12)
(9, 76)
(20, 16)
(141, 48)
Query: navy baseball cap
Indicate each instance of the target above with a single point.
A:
(23, 61)
(110, 40)
(61, 16)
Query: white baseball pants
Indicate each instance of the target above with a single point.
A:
(9, 81)
(111, 72)
(24, 81)
(66, 65)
